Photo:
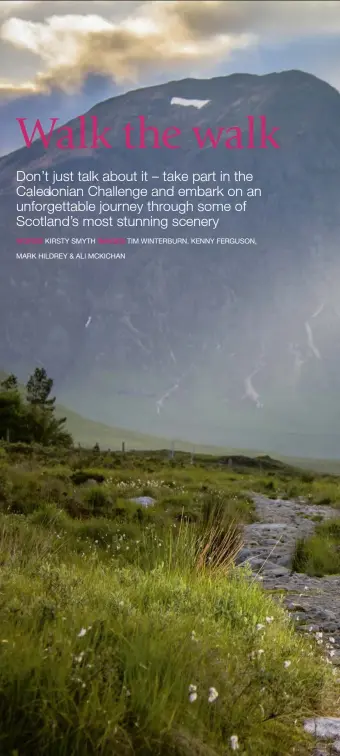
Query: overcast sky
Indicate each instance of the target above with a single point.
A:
(47, 44)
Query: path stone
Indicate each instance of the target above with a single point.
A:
(313, 603)
(325, 728)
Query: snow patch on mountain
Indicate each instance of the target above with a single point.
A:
(187, 103)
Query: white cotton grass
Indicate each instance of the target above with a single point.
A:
(287, 664)
(256, 654)
(192, 693)
(82, 632)
(234, 744)
(213, 695)
(193, 697)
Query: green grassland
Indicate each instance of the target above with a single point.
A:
(129, 630)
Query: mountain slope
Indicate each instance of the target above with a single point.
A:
(226, 345)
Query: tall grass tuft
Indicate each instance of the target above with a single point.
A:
(220, 538)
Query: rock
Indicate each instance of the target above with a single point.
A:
(285, 561)
(276, 570)
(144, 501)
(244, 555)
(293, 607)
(323, 727)
(336, 746)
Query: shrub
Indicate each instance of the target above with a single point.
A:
(317, 556)
(96, 498)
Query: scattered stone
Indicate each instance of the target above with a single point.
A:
(313, 603)
(325, 728)
(293, 607)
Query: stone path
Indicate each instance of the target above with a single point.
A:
(314, 603)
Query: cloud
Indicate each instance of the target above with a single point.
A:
(9, 89)
(126, 41)
(69, 47)
(262, 17)
(10, 6)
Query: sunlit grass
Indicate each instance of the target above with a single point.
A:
(100, 657)
(127, 630)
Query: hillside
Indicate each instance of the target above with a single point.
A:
(231, 345)
(88, 432)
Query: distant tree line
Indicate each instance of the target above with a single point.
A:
(28, 414)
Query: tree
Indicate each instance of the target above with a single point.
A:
(31, 418)
(11, 415)
(38, 388)
(10, 383)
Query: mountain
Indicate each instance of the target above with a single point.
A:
(229, 345)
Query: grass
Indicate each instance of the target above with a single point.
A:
(130, 631)
(320, 554)
(98, 657)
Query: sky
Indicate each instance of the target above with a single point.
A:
(72, 54)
